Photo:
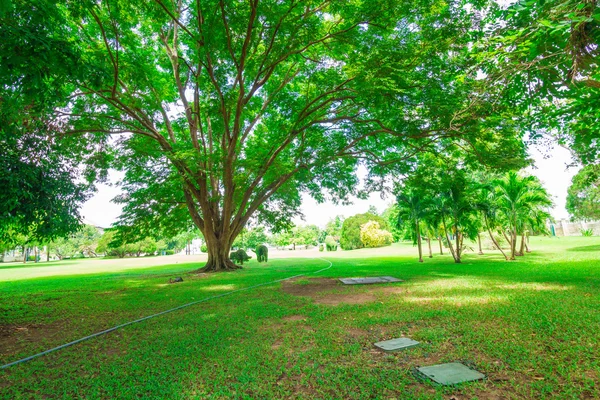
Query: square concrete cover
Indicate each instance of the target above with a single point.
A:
(451, 373)
(368, 280)
(397, 344)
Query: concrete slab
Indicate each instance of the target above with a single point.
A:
(397, 344)
(369, 280)
(451, 373)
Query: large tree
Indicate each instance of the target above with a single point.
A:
(227, 110)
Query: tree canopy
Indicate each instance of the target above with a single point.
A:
(544, 54)
(45, 176)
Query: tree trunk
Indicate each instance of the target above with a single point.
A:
(419, 241)
(429, 244)
(458, 245)
(513, 244)
(521, 250)
(508, 239)
(450, 245)
(487, 225)
(24, 255)
(496, 243)
(527, 249)
(48, 252)
(218, 256)
(440, 242)
(479, 243)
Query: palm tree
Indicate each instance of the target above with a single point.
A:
(412, 208)
(485, 203)
(535, 221)
(433, 221)
(520, 200)
(456, 208)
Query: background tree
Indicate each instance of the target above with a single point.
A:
(308, 233)
(583, 196)
(391, 215)
(281, 239)
(372, 236)
(146, 246)
(109, 246)
(333, 227)
(63, 248)
(350, 236)
(251, 238)
(256, 236)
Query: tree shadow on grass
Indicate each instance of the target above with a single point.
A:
(595, 247)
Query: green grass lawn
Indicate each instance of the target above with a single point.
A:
(532, 326)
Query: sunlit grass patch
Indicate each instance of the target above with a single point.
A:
(534, 286)
(220, 288)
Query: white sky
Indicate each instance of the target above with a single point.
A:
(551, 170)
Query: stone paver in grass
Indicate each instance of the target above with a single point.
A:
(397, 344)
(451, 373)
(369, 280)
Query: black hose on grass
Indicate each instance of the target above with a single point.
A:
(114, 328)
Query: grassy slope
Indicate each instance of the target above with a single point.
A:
(531, 326)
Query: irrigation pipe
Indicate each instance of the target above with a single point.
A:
(114, 328)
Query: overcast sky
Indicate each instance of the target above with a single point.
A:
(552, 170)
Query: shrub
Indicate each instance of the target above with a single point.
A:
(587, 232)
(262, 253)
(204, 248)
(239, 256)
(169, 252)
(321, 247)
(372, 236)
(330, 243)
(350, 236)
